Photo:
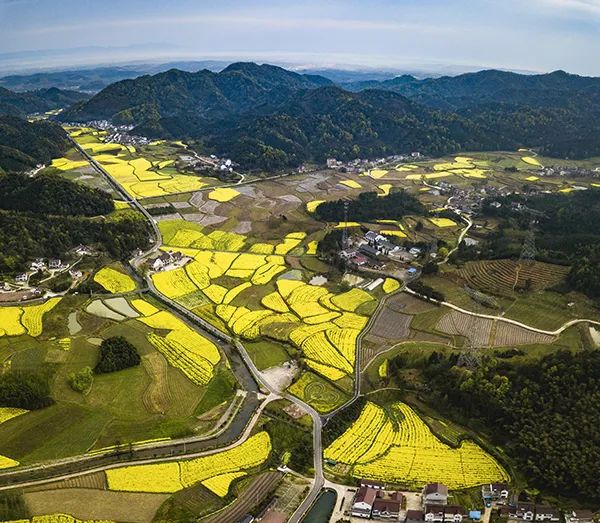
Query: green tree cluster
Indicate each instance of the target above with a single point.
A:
(116, 353)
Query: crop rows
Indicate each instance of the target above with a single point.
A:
(177, 475)
(398, 447)
(503, 276)
(15, 321)
(323, 325)
(182, 347)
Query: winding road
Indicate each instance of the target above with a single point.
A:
(555, 332)
(260, 391)
(183, 448)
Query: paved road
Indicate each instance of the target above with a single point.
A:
(249, 382)
(556, 332)
(460, 238)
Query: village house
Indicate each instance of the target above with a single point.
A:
(368, 250)
(414, 516)
(435, 493)
(166, 258)
(495, 492)
(54, 263)
(377, 485)
(545, 513)
(83, 250)
(387, 507)
(359, 260)
(363, 502)
(21, 278)
(524, 511)
(443, 513)
(579, 516)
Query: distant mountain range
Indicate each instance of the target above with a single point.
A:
(270, 118)
(205, 95)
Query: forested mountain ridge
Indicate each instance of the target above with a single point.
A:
(269, 118)
(331, 122)
(204, 95)
(39, 101)
(25, 144)
(467, 90)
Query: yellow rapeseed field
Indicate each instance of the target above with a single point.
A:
(114, 281)
(398, 447)
(174, 283)
(64, 164)
(223, 194)
(8, 413)
(390, 285)
(530, 160)
(443, 222)
(351, 183)
(351, 300)
(184, 348)
(10, 321)
(6, 462)
(33, 316)
(313, 204)
(377, 173)
(220, 484)
(385, 189)
(175, 476)
(341, 225)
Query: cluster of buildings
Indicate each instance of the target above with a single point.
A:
(360, 165)
(54, 265)
(166, 259)
(530, 512)
(373, 501)
(368, 252)
(436, 508)
(570, 172)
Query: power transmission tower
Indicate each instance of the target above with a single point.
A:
(345, 228)
(470, 356)
(528, 252)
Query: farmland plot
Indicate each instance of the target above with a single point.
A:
(395, 446)
(477, 330)
(507, 334)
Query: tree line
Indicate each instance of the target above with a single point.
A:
(543, 412)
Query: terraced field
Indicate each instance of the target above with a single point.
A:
(503, 277)
(395, 446)
(236, 281)
(143, 172)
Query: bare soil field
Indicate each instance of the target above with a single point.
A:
(157, 396)
(96, 504)
(408, 304)
(97, 480)
(391, 325)
(477, 330)
(507, 334)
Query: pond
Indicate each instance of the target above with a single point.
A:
(321, 511)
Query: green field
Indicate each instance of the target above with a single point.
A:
(148, 401)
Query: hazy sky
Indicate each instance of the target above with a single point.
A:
(536, 35)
